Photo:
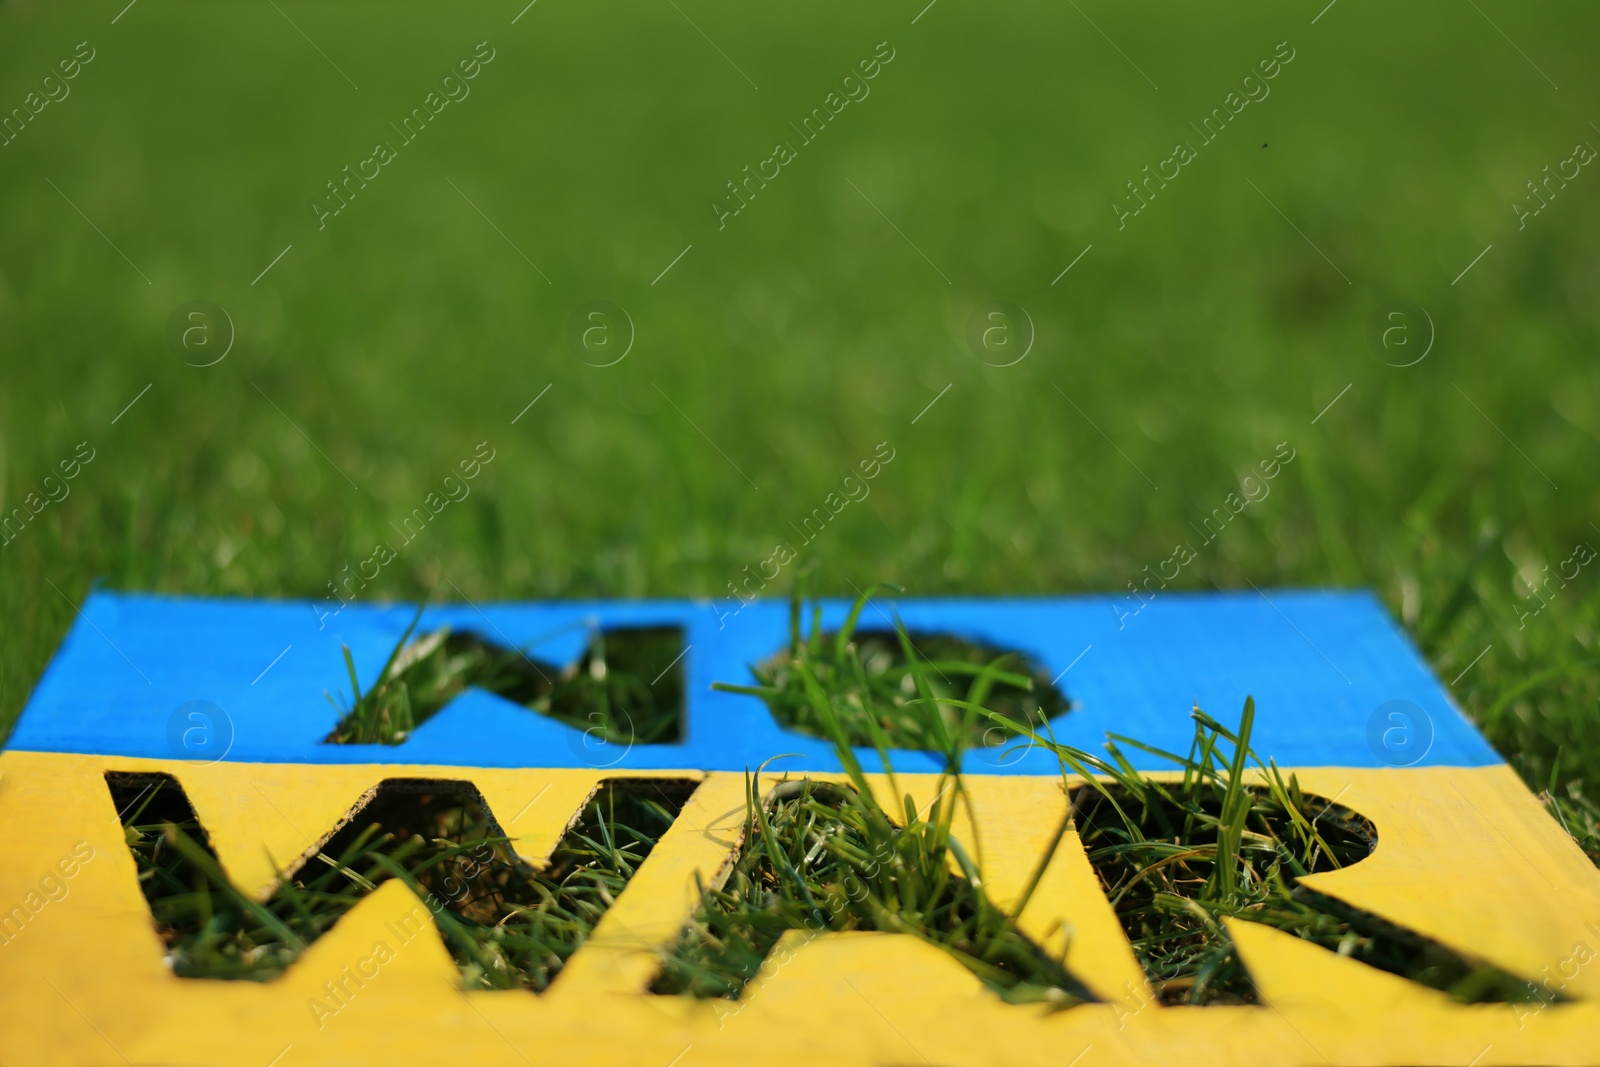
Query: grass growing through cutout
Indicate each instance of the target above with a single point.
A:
(627, 687)
(506, 925)
(895, 689)
(1177, 857)
(823, 857)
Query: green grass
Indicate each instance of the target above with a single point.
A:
(873, 681)
(821, 858)
(1176, 858)
(506, 925)
(626, 688)
(795, 340)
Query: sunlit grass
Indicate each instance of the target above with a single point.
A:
(898, 689)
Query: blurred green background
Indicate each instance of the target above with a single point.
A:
(779, 351)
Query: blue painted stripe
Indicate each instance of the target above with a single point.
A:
(1320, 665)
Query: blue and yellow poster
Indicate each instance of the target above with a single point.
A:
(227, 702)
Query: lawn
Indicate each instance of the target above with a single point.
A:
(822, 316)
